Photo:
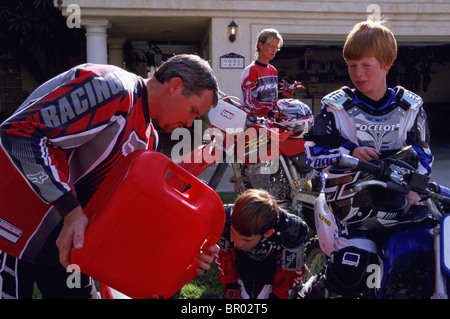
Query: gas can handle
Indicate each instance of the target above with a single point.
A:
(179, 179)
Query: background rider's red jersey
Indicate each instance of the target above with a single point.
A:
(259, 87)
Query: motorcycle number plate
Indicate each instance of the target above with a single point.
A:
(445, 243)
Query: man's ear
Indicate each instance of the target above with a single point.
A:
(269, 233)
(175, 84)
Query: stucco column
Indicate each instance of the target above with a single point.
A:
(115, 51)
(96, 44)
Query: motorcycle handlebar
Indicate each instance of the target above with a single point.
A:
(254, 119)
(442, 193)
(353, 162)
(275, 124)
(286, 86)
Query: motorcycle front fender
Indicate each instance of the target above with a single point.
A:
(326, 226)
(445, 244)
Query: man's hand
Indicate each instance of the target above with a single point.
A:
(72, 234)
(205, 258)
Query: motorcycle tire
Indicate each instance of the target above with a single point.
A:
(315, 258)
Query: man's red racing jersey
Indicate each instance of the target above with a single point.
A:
(95, 115)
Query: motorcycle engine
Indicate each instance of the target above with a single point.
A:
(275, 184)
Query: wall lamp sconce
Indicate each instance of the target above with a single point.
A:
(232, 31)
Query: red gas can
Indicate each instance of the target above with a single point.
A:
(143, 232)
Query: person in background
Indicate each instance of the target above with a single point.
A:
(259, 81)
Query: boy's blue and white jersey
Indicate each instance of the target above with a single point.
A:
(348, 119)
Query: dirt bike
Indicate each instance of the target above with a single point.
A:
(415, 254)
(264, 153)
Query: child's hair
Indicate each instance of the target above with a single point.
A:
(254, 212)
(371, 38)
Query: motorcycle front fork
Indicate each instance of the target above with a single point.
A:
(441, 278)
(296, 185)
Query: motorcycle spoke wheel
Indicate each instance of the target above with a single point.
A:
(315, 259)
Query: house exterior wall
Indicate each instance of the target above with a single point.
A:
(313, 20)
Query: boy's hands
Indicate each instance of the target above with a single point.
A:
(366, 153)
